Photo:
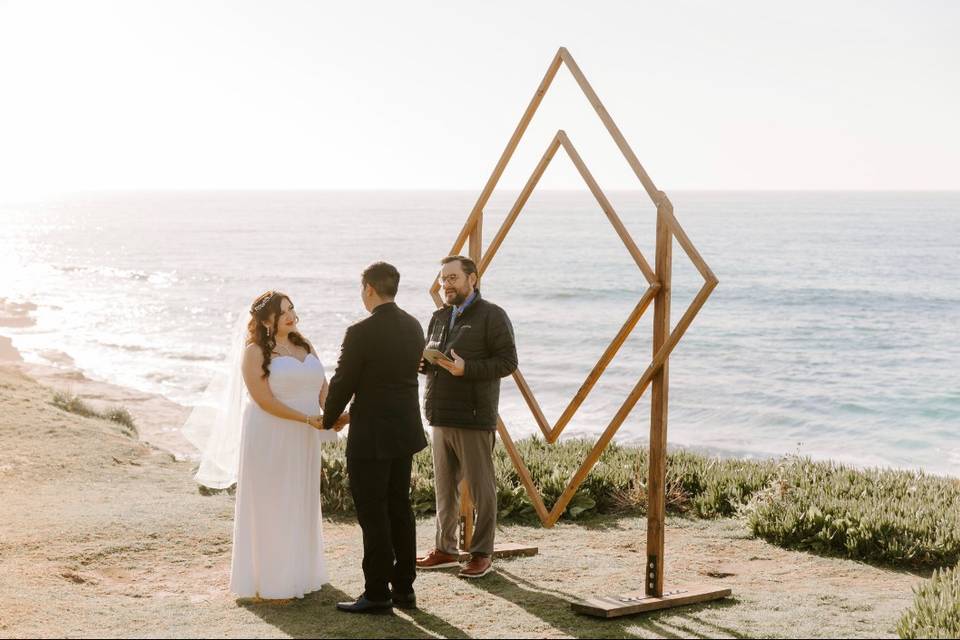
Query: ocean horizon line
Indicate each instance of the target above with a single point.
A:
(30, 196)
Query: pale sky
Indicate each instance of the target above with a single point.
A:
(424, 95)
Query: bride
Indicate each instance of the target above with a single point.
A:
(277, 535)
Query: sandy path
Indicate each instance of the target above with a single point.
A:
(101, 535)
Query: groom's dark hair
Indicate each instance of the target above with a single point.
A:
(383, 277)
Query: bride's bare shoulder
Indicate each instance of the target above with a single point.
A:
(253, 353)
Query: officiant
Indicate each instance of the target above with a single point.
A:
(461, 403)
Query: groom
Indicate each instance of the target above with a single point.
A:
(378, 366)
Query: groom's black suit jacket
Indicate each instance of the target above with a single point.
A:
(378, 368)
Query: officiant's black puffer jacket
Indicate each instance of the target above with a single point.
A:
(483, 337)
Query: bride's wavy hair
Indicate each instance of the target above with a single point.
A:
(266, 309)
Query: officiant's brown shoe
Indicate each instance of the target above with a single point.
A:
(437, 559)
(478, 566)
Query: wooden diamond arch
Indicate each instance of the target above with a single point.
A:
(656, 373)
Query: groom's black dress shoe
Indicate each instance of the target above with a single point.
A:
(404, 600)
(363, 605)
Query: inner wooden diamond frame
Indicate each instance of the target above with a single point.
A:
(668, 229)
(561, 139)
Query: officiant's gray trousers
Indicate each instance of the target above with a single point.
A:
(458, 454)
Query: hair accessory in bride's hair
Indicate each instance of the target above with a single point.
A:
(263, 302)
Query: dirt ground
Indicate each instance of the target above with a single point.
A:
(101, 535)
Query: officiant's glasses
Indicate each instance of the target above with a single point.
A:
(453, 278)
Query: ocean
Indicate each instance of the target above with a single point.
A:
(834, 331)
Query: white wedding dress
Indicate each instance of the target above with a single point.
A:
(277, 531)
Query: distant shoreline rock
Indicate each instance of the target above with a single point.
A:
(16, 314)
(8, 352)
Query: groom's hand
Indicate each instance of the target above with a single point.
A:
(455, 368)
(341, 422)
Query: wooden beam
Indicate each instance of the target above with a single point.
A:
(467, 519)
(551, 434)
(603, 362)
(519, 204)
(657, 470)
(507, 550)
(476, 244)
(607, 208)
(626, 604)
(435, 294)
(525, 478)
(508, 151)
(685, 242)
(611, 126)
(598, 448)
(532, 404)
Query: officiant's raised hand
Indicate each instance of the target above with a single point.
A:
(456, 367)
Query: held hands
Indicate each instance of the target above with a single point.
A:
(317, 422)
(341, 422)
(455, 368)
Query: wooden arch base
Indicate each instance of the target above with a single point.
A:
(639, 602)
(654, 377)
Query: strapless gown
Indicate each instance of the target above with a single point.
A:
(277, 532)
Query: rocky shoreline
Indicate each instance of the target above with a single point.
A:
(158, 418)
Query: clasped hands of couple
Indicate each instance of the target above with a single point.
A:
(455, 367)
(317, 422)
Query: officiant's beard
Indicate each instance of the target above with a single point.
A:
(458, 299)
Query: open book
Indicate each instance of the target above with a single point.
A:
(432, 355)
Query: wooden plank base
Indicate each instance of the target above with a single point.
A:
(507, 551)
(638, 602)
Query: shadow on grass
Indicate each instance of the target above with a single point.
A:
(553, 607)
(604, 521)
(316, 616)
(607, 521)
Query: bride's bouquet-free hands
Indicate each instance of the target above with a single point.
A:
(317, 422)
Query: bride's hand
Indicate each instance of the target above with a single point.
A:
(316, 422)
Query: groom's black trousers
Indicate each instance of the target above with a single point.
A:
(381, 494)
